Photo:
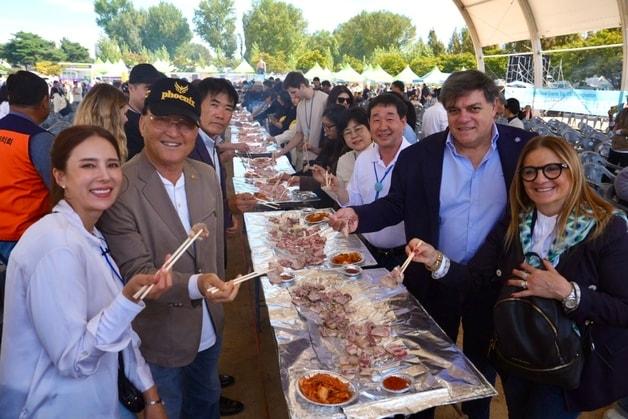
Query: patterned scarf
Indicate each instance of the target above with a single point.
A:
(576, 230)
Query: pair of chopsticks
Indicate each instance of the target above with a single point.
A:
(268, 203)
(240, 279)
(143, 292)
(410, 256)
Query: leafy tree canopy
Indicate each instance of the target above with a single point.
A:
(276, 27)
(363, 33)
(214, 22)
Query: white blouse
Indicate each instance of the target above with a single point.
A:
(543, 234)
(65, 322)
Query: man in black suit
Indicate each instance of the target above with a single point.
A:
(218, 100)
(450, 189)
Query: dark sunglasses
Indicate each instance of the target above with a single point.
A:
(341, 100)
(551, 171)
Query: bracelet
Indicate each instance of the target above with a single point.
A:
(154, 402)
(434, 266)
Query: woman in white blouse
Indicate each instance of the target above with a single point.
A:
(68, 312)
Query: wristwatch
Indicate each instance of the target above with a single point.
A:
(571, 301)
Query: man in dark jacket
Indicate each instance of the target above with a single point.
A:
(450, 189)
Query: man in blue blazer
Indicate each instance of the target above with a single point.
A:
(452, 188)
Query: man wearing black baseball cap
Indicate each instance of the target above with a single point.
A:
(141, 78)
(165, 194)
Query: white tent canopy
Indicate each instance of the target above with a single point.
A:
(164, 66)
(435, 77)
(348, 74)
(315, 71)
(408, 76)
(244, 68)
(379, 75)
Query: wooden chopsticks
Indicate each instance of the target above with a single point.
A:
(143, 292)
(410, 256)
(240, 280)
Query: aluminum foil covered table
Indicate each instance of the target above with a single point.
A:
(441, 373)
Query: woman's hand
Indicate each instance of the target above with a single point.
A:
(154, 411)
(540, 283)
(423, 252)
(162, 281)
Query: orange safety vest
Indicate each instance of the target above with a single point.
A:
(24, 197)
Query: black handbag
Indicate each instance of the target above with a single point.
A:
(128, 394)
(535, 339)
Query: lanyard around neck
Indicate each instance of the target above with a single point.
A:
(105, 253)
(379, 183)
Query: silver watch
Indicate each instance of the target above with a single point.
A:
(571, 301)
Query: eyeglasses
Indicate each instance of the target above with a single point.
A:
(341, 100)
(183, 125)
(328, 127)
(551, 171)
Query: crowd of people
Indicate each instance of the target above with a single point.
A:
(90, 216)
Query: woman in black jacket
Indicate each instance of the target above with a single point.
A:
(582, 244)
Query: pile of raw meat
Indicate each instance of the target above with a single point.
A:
(299, 244)
(363, 341)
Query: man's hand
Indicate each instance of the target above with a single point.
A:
(227, 292)
(345, 220)
(423, 252)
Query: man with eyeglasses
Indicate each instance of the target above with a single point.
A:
(451, 189)
(164, 194)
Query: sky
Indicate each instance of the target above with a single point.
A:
(76, 20)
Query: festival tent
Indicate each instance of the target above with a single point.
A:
(408, 76)
(368, 73)
(348, 74)
(164, 66)
(435, 77)
(381, 76)
(315, 71)
(244, 68)
(208, 69)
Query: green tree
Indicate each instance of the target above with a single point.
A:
(307, 60)
(108, 49)
(455, 43)
(214, 22)
(191, 55)
(25, 49)
(74, 52)
(165, 26)
(363, 33)
(423, 64)
(457, 62)
(277, 63)
(121, 22)
(324, 41)
(276, 27)
(391, 60)
(434, 43)
(467, 42)
(48, 68)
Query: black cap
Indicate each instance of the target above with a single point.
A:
(145, 73)
(174, 97)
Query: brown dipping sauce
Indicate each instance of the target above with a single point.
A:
(395, 383)
(352, 271)
(316, 217)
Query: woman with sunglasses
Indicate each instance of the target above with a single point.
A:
(581, 245)
(340, 95)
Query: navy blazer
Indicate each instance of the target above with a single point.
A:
(414, 196)
(599, 267)
(201, 154)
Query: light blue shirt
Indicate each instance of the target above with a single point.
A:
(210, 145)
(472, 200)
(409, 134)
(65, 322)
